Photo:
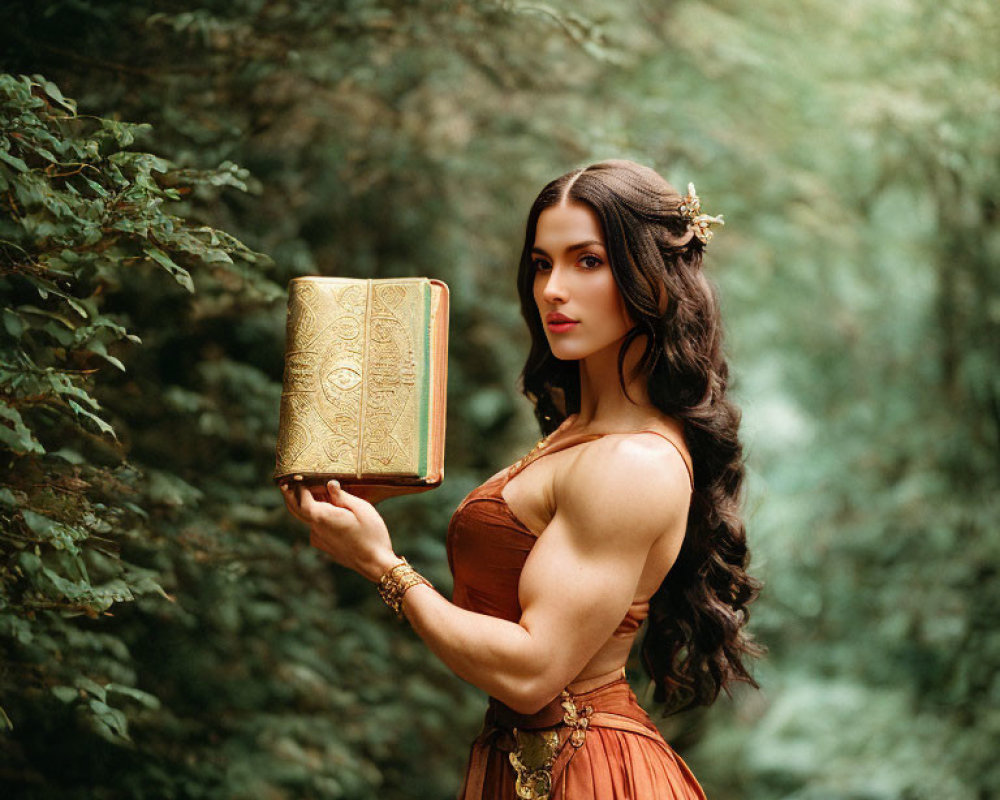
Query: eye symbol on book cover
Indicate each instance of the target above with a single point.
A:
(341, 378)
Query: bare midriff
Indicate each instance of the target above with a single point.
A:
(581, 685)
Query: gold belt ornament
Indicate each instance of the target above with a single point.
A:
(532, 760)
(536, 752)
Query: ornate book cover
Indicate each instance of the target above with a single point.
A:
(366, 364)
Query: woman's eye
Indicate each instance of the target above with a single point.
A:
(591, 262)
(541, 265)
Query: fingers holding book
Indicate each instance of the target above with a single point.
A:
(346, 527)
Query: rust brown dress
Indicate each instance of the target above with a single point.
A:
(596, 745)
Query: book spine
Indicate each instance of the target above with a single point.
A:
(362, 420)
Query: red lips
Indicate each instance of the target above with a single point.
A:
(556, 317)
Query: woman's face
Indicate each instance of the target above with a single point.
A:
(578, 301)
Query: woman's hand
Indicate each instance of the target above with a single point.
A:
(344, 526)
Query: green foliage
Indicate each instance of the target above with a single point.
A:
(169, 632)
(78, 208)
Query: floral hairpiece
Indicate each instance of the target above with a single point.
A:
(699, 224)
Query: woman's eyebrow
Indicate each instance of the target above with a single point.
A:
(571, 248)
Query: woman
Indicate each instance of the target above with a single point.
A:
(628, 510)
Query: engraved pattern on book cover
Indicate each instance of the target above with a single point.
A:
(342, 388)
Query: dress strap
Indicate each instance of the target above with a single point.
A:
(543, 448)
(684, 456)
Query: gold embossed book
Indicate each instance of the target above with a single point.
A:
(366, 370)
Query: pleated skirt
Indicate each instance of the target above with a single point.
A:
(601, 745)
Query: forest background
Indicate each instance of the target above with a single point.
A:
(165, 630)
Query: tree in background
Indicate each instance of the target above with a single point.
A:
(860, 287)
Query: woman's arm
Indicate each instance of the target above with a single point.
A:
(617, 497)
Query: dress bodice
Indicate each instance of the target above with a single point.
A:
(488, 546)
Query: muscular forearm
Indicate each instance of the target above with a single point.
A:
(524, 664)
(498, 656)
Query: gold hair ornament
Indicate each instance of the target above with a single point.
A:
(699, 224)
(396, 582)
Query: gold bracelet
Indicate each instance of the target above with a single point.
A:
(396, 582)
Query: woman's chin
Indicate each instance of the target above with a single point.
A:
(565, 353)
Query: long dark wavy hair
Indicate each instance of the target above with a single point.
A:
(696, 641)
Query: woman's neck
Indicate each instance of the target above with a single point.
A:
(604, 408)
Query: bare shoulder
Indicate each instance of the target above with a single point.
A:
(629, 484)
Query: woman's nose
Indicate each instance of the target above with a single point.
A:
(555, 288)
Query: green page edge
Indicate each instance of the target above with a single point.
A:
(425, 383)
